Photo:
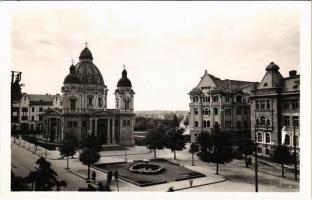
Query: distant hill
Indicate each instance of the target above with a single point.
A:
(160, 114)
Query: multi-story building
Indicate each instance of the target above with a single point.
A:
(275, 110)
(84, 111)
(225, 102)
(27, 111)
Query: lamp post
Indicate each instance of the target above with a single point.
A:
(256, 160)
(295, 149)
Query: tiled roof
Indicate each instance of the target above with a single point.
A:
(41, 97)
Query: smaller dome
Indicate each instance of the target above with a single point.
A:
(272, 66)
(86, 54)
(124, 81)
(71, 77)
(196, 91)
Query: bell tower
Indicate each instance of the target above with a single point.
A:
(124, 94)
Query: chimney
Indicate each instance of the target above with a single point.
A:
(292, 73)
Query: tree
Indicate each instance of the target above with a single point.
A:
(281, 155)
(88, 157)
(175, 140)
(186, 122)
(216, 147)
(67, 149)
(245, 147)
(90, 142)
(193, 149)
(155, 139)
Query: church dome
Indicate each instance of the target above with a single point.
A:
(124, 81)
(72, 77)
(86, 54)
(272, 66)
(88, 73)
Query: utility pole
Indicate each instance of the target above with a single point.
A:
(256, 160)
(295, 149)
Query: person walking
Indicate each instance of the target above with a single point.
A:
(109, 177)
(93, 176)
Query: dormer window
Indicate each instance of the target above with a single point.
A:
(265, 84)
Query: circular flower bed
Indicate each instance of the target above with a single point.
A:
(146, 168)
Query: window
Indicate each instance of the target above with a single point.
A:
(245, 111)
(286, 121)
(268, 104)
(84, 123)
(72, 104)
(267, 138)
(206, 111)
(238, 124)
(24, 118)
(259, 137)
(40, 109)
(90, 101)
(295, 121)
(238, 111)
(124, 123)
(265, 84)
(295, 104)
(227, 99)
(100, 102)
(204, 124)
(215, 111)
(295, 86)
(196, 123)
(262, 104)
(296, 140)
(260, 150)
(24, 109)
(286, 105)
(268, 122)
(215, 99)
(32, 118)
(287, 139)
(239, 99)
(262, 120)
(74, 123)
(228, 112)
(267, 151)
(257, 121)
(257, 105)
(196, 111)
(208, 123)
(128, 122)
(127, 104)
(32, 109)
(228, 124)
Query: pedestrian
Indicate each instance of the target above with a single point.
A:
(93, 176)
(109, 177)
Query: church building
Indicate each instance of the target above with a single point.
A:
(84, 109)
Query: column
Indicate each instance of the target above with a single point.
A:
(108, 131)
(192, 118)
(113, 131)
(90, 126)
(95, 128)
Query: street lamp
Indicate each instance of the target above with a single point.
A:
(295, 148)
(256, 160)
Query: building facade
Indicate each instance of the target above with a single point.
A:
(26, 112)
(275, 110)
(225, 102)
(84, 111)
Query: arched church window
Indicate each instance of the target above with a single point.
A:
(287, 139)
(100, 102)
(267, 138)
(215, 111)
(72, 104)
(262, 120)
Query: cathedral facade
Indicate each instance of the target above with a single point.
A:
(84, 109)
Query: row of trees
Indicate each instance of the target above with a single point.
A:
(215, 147)
(166, 134)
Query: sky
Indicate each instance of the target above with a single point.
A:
(166, 46)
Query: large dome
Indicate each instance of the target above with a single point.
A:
(88, 73)
(124, 81)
